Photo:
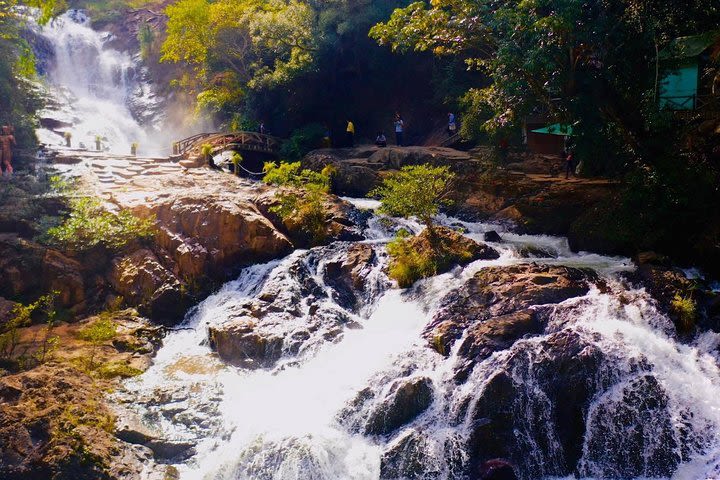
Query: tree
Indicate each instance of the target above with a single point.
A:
(587, 63)
(415, 190)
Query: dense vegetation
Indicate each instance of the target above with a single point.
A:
(298, 63)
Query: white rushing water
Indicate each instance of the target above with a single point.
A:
(656, 400)
(94, 87)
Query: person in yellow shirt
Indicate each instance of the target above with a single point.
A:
(350, 133)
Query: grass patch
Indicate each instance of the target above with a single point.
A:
(117, 369)
(685, 310)
(432, 252)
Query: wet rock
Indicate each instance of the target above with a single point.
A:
(499, 291)
(407, 457)
(529, 251)
(347, 276)
(492, 236)
(482, 339)
(406, 399)
(239, 343)
(676, 294)
(539, 403)
(651, 448)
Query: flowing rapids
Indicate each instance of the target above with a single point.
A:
(657, 400)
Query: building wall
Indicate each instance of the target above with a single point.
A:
(678, 87)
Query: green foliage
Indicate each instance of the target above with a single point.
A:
(206, 150)
(302, 141)
(686, 310)
(409, 264)
(415, 190)
(22, 317)
(146, 38)
(591, 64)
(302, 200)
(90, 224)
(101, 330)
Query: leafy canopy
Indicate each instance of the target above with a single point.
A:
(415, 190)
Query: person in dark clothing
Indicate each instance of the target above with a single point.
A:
(381, 139)
(496, 469)
(569, 164)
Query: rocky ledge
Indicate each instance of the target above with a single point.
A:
(54, 422)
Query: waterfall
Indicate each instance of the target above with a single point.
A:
(94, 88)
(654, 403)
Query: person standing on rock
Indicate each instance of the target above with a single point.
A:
(399, 128)
(569, 164)
(350, 133)
(7, 142)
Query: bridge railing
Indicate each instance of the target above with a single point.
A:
(222, 141)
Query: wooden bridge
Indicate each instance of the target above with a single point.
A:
(237, 141)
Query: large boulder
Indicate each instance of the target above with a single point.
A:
(405, 400)
(441, 248)
(538, 402)
(291, 314)
(143, 281)
(348, 276)
(342, 220)
(28, 269)
(499, 292)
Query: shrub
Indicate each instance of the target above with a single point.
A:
(685, 309)
(409, 264)
(101, 330)
(430, 253)
(302, 201)
(89, 224)
(415, 190)
(22, 317)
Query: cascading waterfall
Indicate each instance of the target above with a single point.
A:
(93, 86)
(655, 409)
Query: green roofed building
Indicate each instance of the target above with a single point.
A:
(681, 85)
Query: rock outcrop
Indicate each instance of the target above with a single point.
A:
(360, 169)
(494, 306)
(54, 422)
(292, 314)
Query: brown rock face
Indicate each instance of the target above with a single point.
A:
(241, 344)
(500, 292)
(29, 269)
(358, 169)
(207, 235)
(143, 281)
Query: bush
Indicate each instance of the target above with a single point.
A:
(685, 309)
(416, 190)
(22, 317)
(408, 263)
(89, 224)
(431, 252)
(102, 330)
(302, 202)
